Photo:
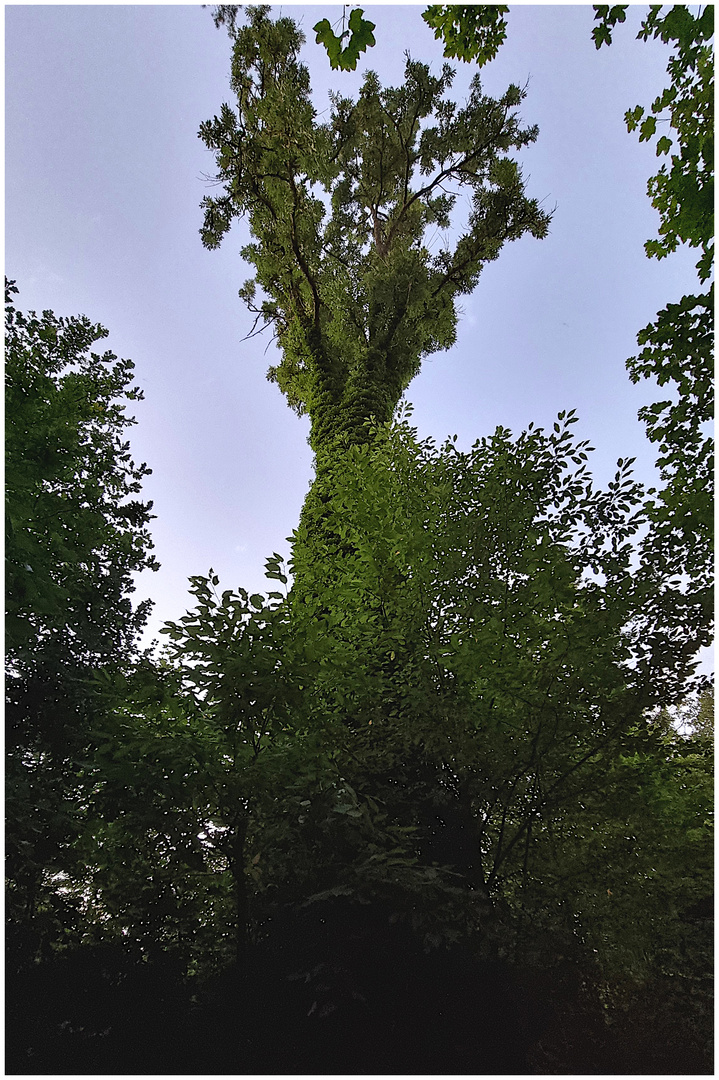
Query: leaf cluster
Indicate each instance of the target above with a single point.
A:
(683, 194)
(360, 37)
(677, 348)
(469, 31)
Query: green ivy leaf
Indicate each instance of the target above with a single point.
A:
(633, 116)
(601, 36)
(648, 128)
(332, 43)
(360, 36)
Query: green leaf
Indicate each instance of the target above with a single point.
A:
(648, 128)
(362, 38)
(332, 43)
(601, 36)
(633, 116)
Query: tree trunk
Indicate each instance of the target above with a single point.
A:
(237, 866)
(475, 871)
(339, 422)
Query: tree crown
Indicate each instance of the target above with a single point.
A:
(341, 212)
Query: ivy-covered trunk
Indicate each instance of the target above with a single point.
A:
(341, 419)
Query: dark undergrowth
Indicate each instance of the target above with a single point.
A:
(338, 989)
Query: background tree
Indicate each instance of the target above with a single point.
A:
(75, 535)
(481, 580)
(497, 655)
(339, 213)
(678, 346)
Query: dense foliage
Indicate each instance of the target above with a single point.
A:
(75, 535)
(440, 800)
(447, 744)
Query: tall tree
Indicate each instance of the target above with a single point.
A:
(75, 535)
(340, 213)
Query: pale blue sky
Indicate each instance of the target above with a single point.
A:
(103, 185)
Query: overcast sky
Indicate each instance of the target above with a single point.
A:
(103, 185)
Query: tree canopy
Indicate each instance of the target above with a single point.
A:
(339, 214)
